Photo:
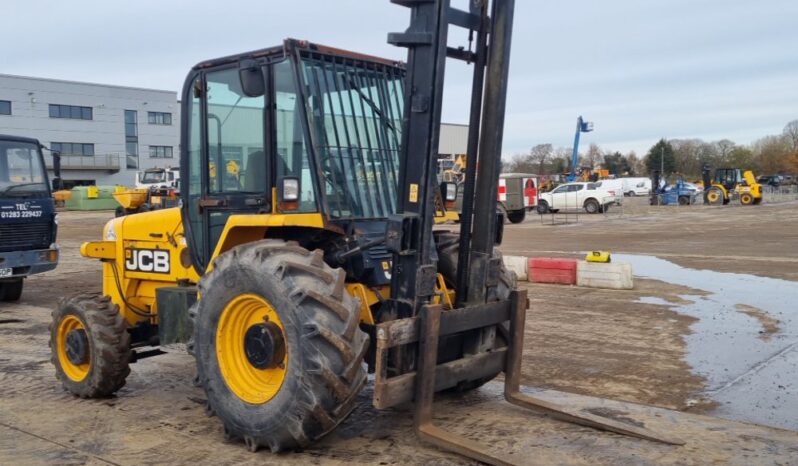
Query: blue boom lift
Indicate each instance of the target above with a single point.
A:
(582, 126)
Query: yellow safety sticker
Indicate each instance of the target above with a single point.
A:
(413, 192)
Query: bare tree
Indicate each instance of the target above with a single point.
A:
(725, 148)
(593, 157)
(540, 154)
(636, 165)
(791, 133)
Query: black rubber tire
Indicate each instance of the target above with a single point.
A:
(631, 194)
(11, 291)
(120, 212)
(746, 199)
(592, 206)
(516, 216)
(109, 345)
(144, 208)
(543, 207)
(502, 210)
(684, 200)
(448, 247)
(325, 345)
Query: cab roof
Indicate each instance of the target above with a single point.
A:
(300, 45)
(5, 137)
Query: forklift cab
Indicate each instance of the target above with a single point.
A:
(729, 178)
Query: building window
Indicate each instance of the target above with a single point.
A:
(5, 107)
(70, 111)
(73, 148)
(160, 152)
(132, 139)
(159, 118)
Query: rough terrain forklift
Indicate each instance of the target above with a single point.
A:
(732, 184)
(320, 261)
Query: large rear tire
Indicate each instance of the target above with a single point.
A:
(715, 196)
(448, 246)
(288, 399)
(90, 345)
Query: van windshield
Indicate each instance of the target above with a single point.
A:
(21, 170)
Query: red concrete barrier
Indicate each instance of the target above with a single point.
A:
(550, 270)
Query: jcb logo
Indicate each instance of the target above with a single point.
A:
(147, 260)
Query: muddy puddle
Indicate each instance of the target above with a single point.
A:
(745, 342)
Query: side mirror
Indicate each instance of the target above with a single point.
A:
(251, 76)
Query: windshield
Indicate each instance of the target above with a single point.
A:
(153, 177)
(21, 170)
(356, 112)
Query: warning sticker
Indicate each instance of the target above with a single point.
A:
(413, 192)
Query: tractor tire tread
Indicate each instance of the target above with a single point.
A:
(334, 347)
(109, 339)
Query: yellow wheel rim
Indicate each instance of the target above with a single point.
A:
(76, 372)
(249, 383)
(713, 195)
(746, 199)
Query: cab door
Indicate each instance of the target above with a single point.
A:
(224, 161)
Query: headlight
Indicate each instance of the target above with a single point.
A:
(290, 190)
(110, 231)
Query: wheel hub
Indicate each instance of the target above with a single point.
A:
(264, 345)
(77, 346)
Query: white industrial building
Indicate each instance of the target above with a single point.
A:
(105, 133)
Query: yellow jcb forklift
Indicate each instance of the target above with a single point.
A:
(731, 184)
(319, 262)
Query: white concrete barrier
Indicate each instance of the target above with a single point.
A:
(613, 275)
(519, 265)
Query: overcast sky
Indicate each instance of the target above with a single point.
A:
(640, 69)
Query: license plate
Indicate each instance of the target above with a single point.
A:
(6, 272)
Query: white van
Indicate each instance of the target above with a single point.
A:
(636, 186)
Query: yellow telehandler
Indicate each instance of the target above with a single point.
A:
(318, 262)
(732, 184)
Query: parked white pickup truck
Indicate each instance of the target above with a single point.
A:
(579, 195)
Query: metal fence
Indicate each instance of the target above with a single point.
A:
(779, 194)
(571, 209)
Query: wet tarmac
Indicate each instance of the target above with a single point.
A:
(745, 342)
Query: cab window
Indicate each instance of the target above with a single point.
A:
(237, 160)
(292, 150)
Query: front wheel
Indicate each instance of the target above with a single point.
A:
(631, 194)
(278, 346)
(11, 291)
(90, 346)
(684, 200)
(746, 199)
